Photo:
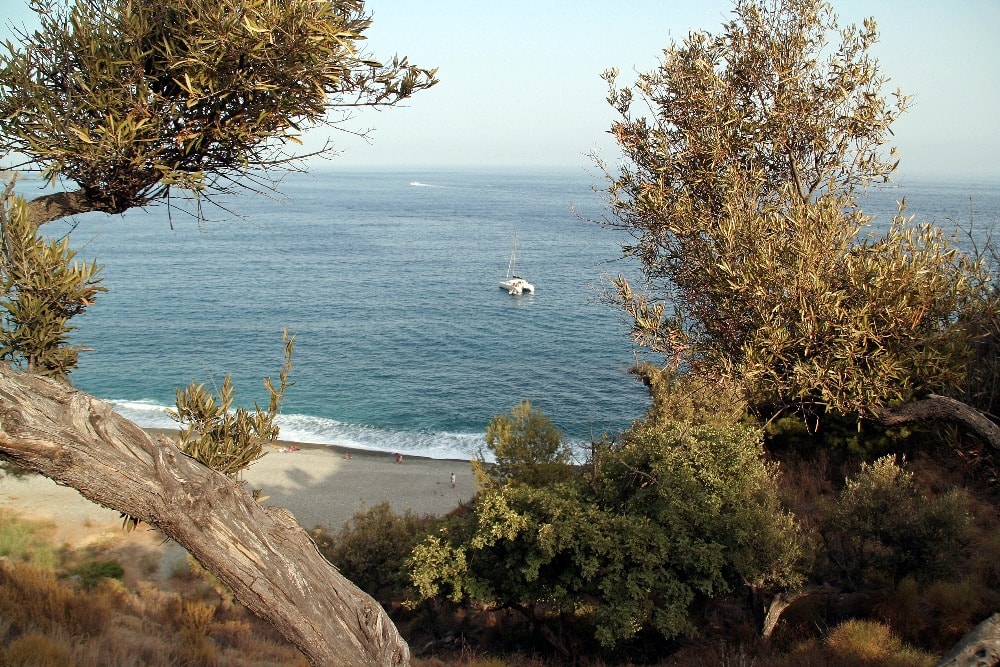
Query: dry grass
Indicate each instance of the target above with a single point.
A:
(868, 643)
(26, 541)
(49, 617)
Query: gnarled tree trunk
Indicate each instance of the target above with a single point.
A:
(261, 554)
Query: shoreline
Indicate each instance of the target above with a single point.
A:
(325, 485)
(340, 450)
(322, 485)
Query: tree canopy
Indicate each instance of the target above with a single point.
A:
(135, 99)
(745, 153)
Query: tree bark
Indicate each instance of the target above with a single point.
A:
(779, 604)
(942, 408)
(59, 205)
(262, 554)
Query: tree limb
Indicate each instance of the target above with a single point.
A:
(262, 554)
(61, 204)
(768, 621)
(943, 408)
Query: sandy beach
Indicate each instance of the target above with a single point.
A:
(320, 484)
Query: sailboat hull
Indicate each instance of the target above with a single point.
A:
(517, 286)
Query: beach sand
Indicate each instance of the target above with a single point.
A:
(316, 482)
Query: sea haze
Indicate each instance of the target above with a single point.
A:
(389, 281)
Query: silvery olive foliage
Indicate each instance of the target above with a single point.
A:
(745, 153)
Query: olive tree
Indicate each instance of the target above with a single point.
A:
(745, 153)
(134, 102)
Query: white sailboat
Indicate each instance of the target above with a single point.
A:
(515, 284)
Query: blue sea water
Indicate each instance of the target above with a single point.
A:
(389, 281)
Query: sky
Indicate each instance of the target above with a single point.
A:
(521, 85)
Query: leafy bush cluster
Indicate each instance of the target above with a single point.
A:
(679, 515)
(42, 286)
(373, 550)
(883, 528)
(674, 518)
(671, 515)
(527, 448)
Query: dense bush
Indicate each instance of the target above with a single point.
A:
(526, 447)
(883, 528)
(671, 515)
(372, 550)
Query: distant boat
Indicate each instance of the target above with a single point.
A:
(515, 284)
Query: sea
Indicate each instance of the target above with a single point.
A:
(389, 281)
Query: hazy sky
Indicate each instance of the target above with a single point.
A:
(520, 80)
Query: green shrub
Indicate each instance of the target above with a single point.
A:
(94, 572)
(884, 529)
(527, 448)
(672, 515)
(372, 550)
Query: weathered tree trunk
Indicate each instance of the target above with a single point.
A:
(942, 408)
(768, 614)
(261, 554)
(779, 604)
(979, 648)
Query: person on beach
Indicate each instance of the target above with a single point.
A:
(453, 480)
(399, 457)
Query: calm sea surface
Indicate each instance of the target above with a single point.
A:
(389, 281)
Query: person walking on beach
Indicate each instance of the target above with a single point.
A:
(453, 480)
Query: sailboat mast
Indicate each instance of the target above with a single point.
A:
(513, 254)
